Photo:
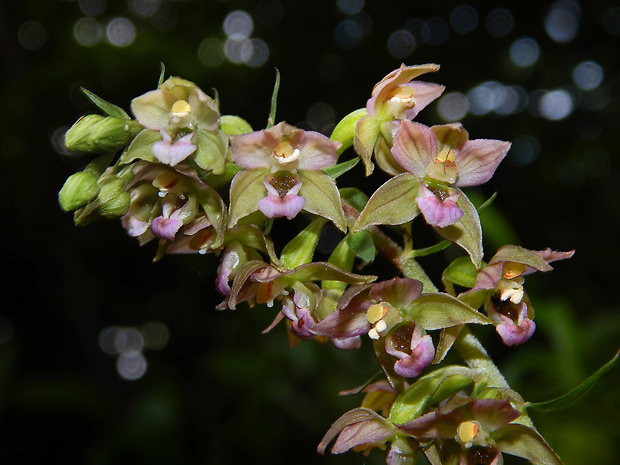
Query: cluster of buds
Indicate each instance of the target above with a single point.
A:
(196, 181)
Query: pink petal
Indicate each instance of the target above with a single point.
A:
(437, 212)
(166, 228)
(513, 334)
(478, 159)
(274, 206)
(171, 153)
(415, 146)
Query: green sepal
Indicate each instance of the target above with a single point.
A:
(392, 203)
(79, 189)
(466, 232)
(322, 197)
(363, 246)
(342, 257)
(105, 106)
(215, 209)
(210, 154)
(233, 125)
(525, 442)
(344, 132)
(429, 390)
(321, 271)
(246, 190)
(141, 148)
(439, 310)
(300, 249)
(274, 101)
(218, 180)
(574, 395)
(367, 131)
(515, 253)
(341, 168)
(461, 272)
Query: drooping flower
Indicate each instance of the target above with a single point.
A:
(499, 286)
(477, 431)
(444, 159)
(395, 98)
(282, 174)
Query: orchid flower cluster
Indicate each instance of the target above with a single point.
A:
(183, 176)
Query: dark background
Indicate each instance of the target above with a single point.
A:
(219, 391)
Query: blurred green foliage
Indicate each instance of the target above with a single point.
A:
(220, 391)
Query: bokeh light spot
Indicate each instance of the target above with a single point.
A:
(131, 366)
(524, 51)
(401, 43)
(348, 33)
(259, 54)
(321, 116)
(453, 106)
(611, 21)
(524, 150)
(556, 104)
(562, 21)
(87, 31)
(156, 335)
(211, 52)
(145, 8)
(120, 32)
(464, 19)
(499, 22)
(32, 35)
(92, 7)
(350, 7)
(438, 30)
(588, 75)
(238, 24)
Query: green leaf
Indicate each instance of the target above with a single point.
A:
(141, 148)
(210, 154)
(105, 106)
(341, 168)
(363, 246)
(574, 395)
(342, 257)
(344, 132)
(439, 310)
(354, 197)
(466, 232)
(461, 272)
(321, 271)
(246, 189)
(429, 390)
(300, 249)
(524, 442)
(234, 125)
(322, 197)
(392, 203)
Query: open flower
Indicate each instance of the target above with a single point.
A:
(187, 120)
(444, 159)
(396, 97)
(481, 430)
(499, 286)
(276, 164)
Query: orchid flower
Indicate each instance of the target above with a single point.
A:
(444, 159)
(276, 163)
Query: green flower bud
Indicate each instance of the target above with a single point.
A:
(95, 133)
(113, 198)
(79, 189)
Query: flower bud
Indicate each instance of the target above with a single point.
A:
(99, 134)
(79, 189)
(113, 198)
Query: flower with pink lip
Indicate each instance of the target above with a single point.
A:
(444, 159)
